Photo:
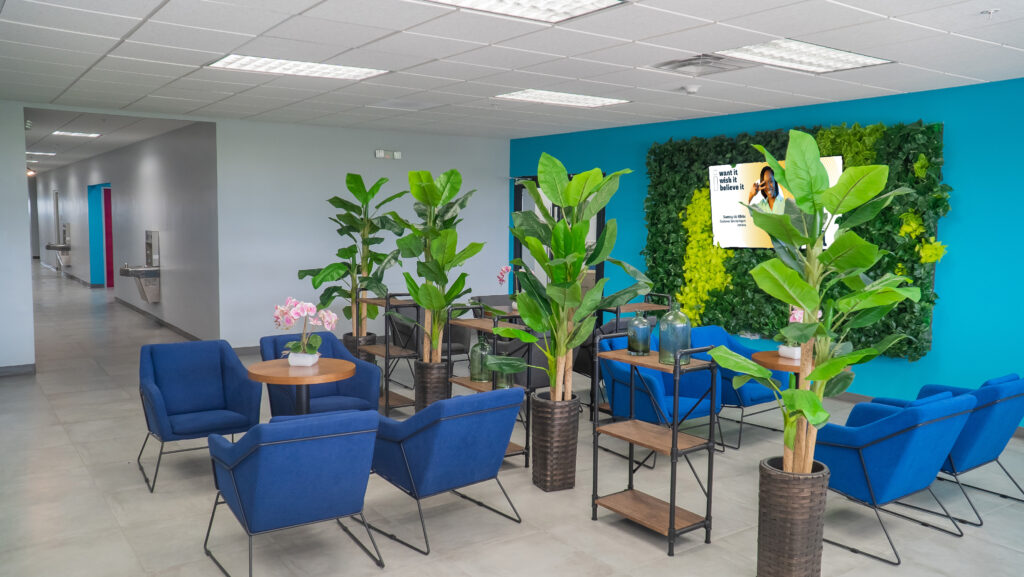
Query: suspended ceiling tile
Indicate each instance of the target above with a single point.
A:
(476, 89)
(718, 11)
(477, 27)
(219, 16)
(866, 38)
(455, 70)
(338, 98)
(586, 87)
(209, 86)
(562, 41)
(643, 79)
(36, 79)
(574, 68)
(392, 14)
(53, 38)
(130, 8)
(27, 92)
(166, 105)
(329, 32)
(378, 60)
(710, 38)
(116, 99)
(309, 83)
(142, 80)
(636, 54)
(189, 37)
(1010, 33)
(207, 96)
(964, 16)
(901, 77)
(802, 18)
(10, 67)
(288, 115)
(496, 56)
(407, 80)
(88, 100)
(953, 54)
(168, 54)
(376, 91)
(421, 45)
(778, 99)
(147, 67)
(291, 6)
(519, 79)
(253, 102)
(890, 8)
(35, 53)
(287, 49)
(118, 88)
(66, 18)
(232, 76)
(632, 22)
(281, 92)
(220, 110)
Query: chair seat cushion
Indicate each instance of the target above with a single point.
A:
(338, 403)
(206, 422)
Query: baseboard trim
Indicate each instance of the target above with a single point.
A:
(158, 320)
(29, 369)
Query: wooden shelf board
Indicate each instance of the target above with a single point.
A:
(650, 361)
(378, 350)
(514, 449)
(648, 511)
(604, 408)
(483, 325)
(393, 301)
(637, 308)
(478, 386)
(396, 400)
(650, 436)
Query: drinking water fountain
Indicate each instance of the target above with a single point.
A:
(147, 277)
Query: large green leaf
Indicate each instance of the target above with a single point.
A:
(633, 272)
(870, 316)
(605, 244)
(785, 284)
(448, 212)
(443, 247)
(603, 195)
(734, 361)
(341, 203)
(393, 197)
(457, 289)
(870, 298)
(780, 173)
(348, 252)
(331, 273)
(423, 189)
(805, 174)
(806, 404)
(354, 183)
(449, 184)
(800, 332)
(581, 332)
(790, 255)
(527, 223)
(538, 201)
(534, 288)
(431, 298)
(539, 253)
(838, 384)
(514, 333)
(566, 295)
(471, 250)
(778, 226)
(581, 186)
(410, 246)
(870, 209)
(532, 313)
(432, 272)
(591, 300)
(562, 243)
(505, 365)
(849, 251)
(553, 178)
(832, 367)
(856, 186)
(332, 292)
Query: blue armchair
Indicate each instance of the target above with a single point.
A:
(190, 390)
(994, 420)
(359, 392)
(885, 453)
(451, 444)
(294, 471)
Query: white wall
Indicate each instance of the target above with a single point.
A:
(17, 340)
(274, 182)
(168, 184)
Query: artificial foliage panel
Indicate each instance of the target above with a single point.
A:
(908, 228)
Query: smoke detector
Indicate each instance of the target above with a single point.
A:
(703, 65)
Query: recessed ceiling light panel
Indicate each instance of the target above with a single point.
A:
(542, 10)
(77, 134)
(294, 67)
(560, 98)
(786, 53)
(31, 161)
(42, 153)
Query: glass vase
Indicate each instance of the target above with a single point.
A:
(478, 354)
(504, 380)
(638, 336)
(674, 334)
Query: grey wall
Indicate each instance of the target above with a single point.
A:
(17, 340)
(169, 184)
(274, 183)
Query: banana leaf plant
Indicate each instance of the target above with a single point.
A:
(359, 267)
(556, 309)
(434, 242)
(830, 284)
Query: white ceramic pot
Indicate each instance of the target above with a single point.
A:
(303, 359)
(789, 352)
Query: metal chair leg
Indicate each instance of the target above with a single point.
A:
(206, 542)
(138, 461)
(865, 553)
(517, 518)
(398, 539)
(378, 559)
(945, 513)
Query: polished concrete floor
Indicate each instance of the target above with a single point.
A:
(72, 502)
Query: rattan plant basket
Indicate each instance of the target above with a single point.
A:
(791, 518)
(353, 343)
(431, 383)
(555, 431)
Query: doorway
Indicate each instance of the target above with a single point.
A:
(101, 236)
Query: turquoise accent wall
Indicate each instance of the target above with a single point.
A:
(979, 313)
(97, 270)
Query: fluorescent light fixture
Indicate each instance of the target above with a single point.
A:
(542, 10)
(294, 67)
(560, 98)
(786, 53)
(43, 153)
(79, 134)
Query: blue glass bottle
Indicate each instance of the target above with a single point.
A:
(674, 334)
(638, 336)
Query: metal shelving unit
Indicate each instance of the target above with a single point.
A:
(655, 514)
(391, 354)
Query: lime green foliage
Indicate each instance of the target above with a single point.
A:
(921, 166)
(855, 144)
(931, 250)
(912, 226)
(704, 262)
(677, 168)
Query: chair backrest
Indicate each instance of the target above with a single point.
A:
(465, 442)
(998, 413)
(190, 375)
(272, 347)
(300, 470)
(904, 452)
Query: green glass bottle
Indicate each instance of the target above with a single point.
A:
(478, 354)
(674, 334)
(638, 336)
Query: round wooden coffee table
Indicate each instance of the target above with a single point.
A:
(279, 372)
(772, 360)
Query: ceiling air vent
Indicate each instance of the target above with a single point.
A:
(703, 65)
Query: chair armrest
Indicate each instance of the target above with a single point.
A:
(398, 431)
(225, 453)
(156, 411)
(866, 413)
(892, 402)
(241, 394)
(929, 390)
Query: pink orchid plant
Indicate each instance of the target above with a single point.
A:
(285, 317)
(502, 274)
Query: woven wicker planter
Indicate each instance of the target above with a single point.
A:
(791, 517)
(431, 383)
(353, 343)
(555, 432)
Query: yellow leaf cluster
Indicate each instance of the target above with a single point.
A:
(931, 250)
(704, 263)
(912, 225)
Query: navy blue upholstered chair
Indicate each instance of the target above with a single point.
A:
(294, 471)
(190, 390)
(994, 420)
(885, 453)
(451, 444)
(360, 392)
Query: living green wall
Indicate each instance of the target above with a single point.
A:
(677, 256)
(976, 319)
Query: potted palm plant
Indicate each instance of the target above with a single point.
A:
(554, 305)
(433, 241)
(831, 285)
(359, 267)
